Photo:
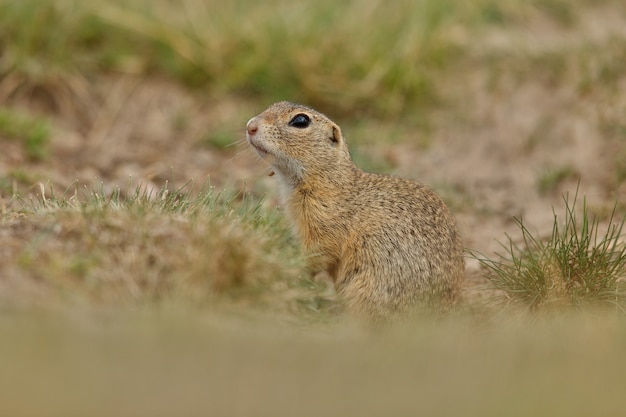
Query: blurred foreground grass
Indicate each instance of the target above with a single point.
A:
(175, 363)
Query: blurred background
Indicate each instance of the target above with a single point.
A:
(501, 106)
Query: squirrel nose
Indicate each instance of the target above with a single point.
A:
(252, 126)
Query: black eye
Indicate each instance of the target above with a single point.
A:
(300, 121)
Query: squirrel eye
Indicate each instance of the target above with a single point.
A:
(300, 121)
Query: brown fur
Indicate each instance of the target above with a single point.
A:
(390, 244)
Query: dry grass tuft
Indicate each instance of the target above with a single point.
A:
(579, 266)
(202, 249)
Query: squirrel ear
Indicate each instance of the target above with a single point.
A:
(336, 134)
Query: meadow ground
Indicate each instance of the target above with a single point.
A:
(145, 269)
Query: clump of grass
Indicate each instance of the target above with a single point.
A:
(289, 49)
(145, 248)
(580, 265)
(34, 132)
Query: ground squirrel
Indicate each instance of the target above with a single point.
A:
(389, 244)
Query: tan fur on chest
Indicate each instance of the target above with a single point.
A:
(320, 229)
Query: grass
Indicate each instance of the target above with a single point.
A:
(581, 265)
(165, 363)
(150, 248)
(212, 46)
(278, 50)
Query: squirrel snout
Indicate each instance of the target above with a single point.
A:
(252, 126)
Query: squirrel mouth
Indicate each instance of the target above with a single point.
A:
(259, 148)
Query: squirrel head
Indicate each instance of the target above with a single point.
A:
(298, 141)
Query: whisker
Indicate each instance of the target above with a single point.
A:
(240, 142)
